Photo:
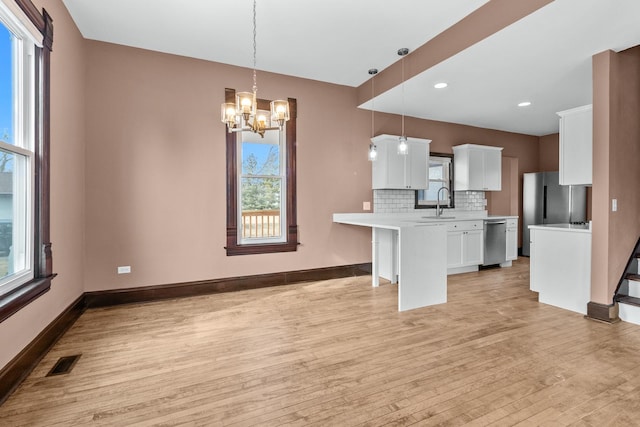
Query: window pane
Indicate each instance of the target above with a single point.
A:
(260, 158)
(261, 207)
(14, 247)
(6, 85)
(436, 171)
(431, 194)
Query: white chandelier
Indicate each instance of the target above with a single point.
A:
(244, 114)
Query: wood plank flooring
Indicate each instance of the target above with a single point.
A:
(337, 353)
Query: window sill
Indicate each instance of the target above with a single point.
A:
(23, 295)
(261, 248)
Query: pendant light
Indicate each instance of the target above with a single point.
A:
(403, 147)
(244, 114)
(373, 150)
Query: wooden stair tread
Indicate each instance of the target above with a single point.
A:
(626, 299)
(632, 276)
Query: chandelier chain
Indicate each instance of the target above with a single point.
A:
(255, 80)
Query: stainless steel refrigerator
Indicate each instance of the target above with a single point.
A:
(546, 202)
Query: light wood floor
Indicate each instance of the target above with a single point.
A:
(337, 353)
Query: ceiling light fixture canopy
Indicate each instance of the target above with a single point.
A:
(373, 150)
(244, 114)
(403, 147)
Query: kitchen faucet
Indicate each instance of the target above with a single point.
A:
(438, 208)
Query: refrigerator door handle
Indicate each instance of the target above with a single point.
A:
(544, 203)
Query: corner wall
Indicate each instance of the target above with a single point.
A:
(67, 186)
(549, 153)
(616, 132)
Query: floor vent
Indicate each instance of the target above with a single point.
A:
(64, 365)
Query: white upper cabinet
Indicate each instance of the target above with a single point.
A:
(396, 171)
(477, 168)
(576, 146)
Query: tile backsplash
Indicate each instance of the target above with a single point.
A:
(469, 200)
(393, 201)
(397, 201)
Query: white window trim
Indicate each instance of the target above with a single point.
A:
(283, 193)
(23, 145)
(447, 199)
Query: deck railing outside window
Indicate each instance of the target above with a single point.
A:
(261, 223)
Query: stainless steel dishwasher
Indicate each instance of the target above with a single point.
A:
(495, 241)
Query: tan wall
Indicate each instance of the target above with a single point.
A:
(155, 152)
(67, 186)
(156, 156)
(616, 102)
(549, 152)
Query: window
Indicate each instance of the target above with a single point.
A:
(262, 210)
(16, 158)
(440, 175)
(25, 255)
(261, 179)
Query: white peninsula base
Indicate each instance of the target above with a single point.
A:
(561, 265)
(413, 254)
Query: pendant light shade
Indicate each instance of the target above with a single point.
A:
(403, 148)
(373, 150)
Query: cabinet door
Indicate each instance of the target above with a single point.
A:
(417, 161)
(388, 171)
(476, 170)
(454, 249)
(395, 167)
(576, 142)
(473, 244)
(492, 170)
(512, 244)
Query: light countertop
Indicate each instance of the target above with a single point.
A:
(397, 220)
(574, 228)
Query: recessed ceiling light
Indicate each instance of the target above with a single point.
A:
(524, 104)
(440, 85)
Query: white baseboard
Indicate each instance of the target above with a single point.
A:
(459, 270)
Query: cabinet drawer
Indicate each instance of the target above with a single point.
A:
(465, 225)
(512, 223)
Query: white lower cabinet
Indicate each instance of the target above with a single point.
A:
(512, 239)
(473, 244)
(454, 249)
(465, 246)
(560, 267)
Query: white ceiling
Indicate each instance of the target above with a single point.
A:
(544, 58)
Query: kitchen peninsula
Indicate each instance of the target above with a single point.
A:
(411, 249)
(561, 265)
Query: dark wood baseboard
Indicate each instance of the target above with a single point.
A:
(602, 312)
(204, 287)
(21, 366)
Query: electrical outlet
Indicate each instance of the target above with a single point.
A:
(124, 269)
(366, 206)
(614, 205)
